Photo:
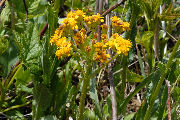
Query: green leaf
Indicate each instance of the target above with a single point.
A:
(57, 4)
(23, 88)
(23, 77)
(141, 63)
(94, 97)
(129, 117)
(29, 47)
(88, 114)
(42, 97)
(146, 39)
(38, 7)
(177, 55)
(8, 58)
(133, 77)
(105, 109)
(163, 103)
(49, 117)
(4, 43)
(154, 76)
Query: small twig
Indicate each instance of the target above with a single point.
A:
(99, 26)
(168, 33)
(110, 66)
(128, 67)
(169, 100)
(156, 42)
(112, 8)
(26, 10)
(96, 7)
(101, 6)
(43, 30)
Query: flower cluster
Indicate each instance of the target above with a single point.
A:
(72, 27)
(101, 54)
(118, 25)
(80, 37)
(63, 48)
(93, 21)
(119, 44)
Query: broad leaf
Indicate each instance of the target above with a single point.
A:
(133, 77)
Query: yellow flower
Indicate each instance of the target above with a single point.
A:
(63, 52)
(74, 22)
(80, 37)
(119, 44)
(61, 42)
(126, 25)
(101, 56)
(70, 23)
(104, 29)
(56, 36)
(70, 14)
(64, 48)
(118, 25)
(78, 16)
(93, 21)
(116, 21)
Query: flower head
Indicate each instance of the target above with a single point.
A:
(93, 21)
(118, 25)
(119, 44)
(80, 37)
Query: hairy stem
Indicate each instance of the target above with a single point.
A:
(83, 96)
(84, 91)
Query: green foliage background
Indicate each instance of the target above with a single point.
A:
(35, 84)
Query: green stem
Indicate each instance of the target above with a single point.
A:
(161, 80)
(123, 84)
(83, 96)
(13, 77)
(2, 96)
(9, 82)
(86, 82)
(17, 106)
(103, 66)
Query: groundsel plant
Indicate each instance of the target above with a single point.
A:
(76, 37)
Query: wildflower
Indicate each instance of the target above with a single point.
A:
(70, 23)
(119, 44)
(104, 38)
(104, 29)
(88, 48)
(126, 26)
(56, 36)
(101, 54)
(64, 49)
(80, 37)
(63, 52)
(61, 42)
(78, 16)
(118, 25)
(93, 21)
